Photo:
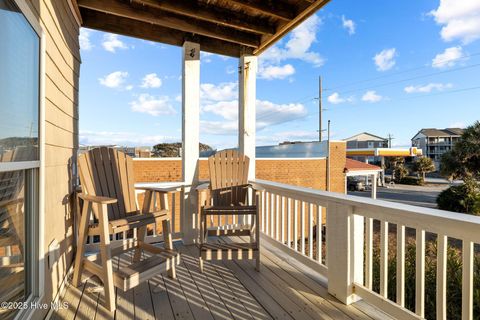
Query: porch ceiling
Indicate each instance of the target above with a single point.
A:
(226, 27)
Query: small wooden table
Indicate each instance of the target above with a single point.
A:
(161, 190)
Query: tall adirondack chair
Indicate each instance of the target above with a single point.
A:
(108, 193)
(228, 195)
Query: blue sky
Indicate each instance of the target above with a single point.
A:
(388, 67)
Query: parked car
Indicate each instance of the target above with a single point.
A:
(354, 184)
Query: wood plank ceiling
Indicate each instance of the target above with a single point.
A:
(226, 27)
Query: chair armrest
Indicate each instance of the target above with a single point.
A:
(152, 189)
(202, 187)
(97, 199)
(257, 187)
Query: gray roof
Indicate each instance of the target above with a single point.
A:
(447, 132)
(374, 137)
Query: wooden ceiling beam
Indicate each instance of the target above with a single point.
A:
(147, 31)
(287, 27)
(275, 8)
(191, 9)
(172, 21)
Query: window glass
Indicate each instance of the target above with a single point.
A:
(13, 247)
(19, 86)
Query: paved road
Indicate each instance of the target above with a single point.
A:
(424, 196)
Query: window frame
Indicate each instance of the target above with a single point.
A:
(37, 185)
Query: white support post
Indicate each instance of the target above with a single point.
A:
(374, 186)
(190, 137)
(246, 109)
(345, 237)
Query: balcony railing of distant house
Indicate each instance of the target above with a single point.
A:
(341, 247)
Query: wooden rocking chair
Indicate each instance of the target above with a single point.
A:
(108, 192)
(228, 194)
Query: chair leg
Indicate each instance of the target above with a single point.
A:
(203, 237)
(82, 233)
(141, 233)
(106, 259)
(257, 262)
(168, 243)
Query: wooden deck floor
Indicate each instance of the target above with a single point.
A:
(226, 290)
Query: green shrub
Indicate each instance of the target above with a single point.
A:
(454, 279)
(464, 198)
(413, 181)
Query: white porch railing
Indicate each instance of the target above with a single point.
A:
(289, 221)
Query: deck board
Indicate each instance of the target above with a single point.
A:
(311, 290)
(212, 297)
(226, 290)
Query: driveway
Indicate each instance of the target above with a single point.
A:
(423, 196)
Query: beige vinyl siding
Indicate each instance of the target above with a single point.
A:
(62, 68)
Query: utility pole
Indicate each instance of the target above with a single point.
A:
(320, 108)
(390, 138)
(328, 156)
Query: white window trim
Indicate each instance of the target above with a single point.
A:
(38, 266)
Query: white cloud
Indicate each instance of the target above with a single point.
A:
(219, 127)
(84, 40)
(206, 56)
(95, 138)
(151, 80)
(223, 91)
(428, 88)
(385, 60)
(226, 109)
(111, 43)
(230, 70)
(222, 100)
(448, 58)
(335, 98)
(371, 96)
(152, 105)
(349, 25)
(276, 72)
(268, 114)
(460, 19)
(297, 47)
(114, 80)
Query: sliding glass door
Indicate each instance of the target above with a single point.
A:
(19, 155)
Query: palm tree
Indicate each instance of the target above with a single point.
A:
(423, 166)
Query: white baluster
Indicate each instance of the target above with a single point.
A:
(420, 274)
(383, 258)
(442, 243)
(401, 265)
(467, 280)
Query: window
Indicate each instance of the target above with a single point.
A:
(19, 154)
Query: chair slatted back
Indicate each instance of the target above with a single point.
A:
(109, 173)
(228, 177)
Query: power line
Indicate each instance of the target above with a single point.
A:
(440, 93)
(407, 98)
(400, 72)
(409, 79)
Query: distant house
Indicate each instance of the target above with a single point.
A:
(435, 142)
(366, 140)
